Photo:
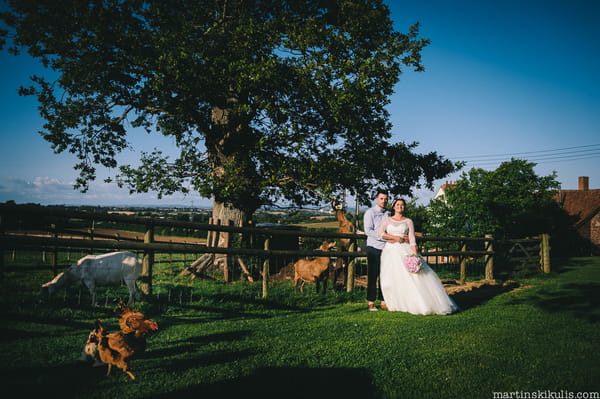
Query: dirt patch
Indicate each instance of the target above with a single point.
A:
(454, 287)
(474, 293)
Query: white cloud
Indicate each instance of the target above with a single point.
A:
(52, 191)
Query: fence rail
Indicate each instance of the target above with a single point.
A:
(149, 246)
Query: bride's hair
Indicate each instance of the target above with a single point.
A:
(393, 212)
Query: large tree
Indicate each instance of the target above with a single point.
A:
(511, 201)
(265, 99)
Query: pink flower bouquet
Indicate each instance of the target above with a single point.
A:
(413, 263)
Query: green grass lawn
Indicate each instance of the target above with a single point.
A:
(228, 342)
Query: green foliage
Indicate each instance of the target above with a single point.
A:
(509, 202)
(264, 99)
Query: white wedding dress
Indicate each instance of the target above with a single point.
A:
(419, 293)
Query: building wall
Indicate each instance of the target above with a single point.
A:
(595, 230)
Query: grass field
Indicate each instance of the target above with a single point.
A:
(228, 342)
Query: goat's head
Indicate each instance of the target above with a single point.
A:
(337, 204)
(327, 245)
(49, 288)
(44, 293)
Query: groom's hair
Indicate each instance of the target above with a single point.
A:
(381, 191)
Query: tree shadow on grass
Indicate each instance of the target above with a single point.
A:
(289, 383)
(67, 380)
(562, 265)
(78, 379)
(579, 299)
(215, 357)
(193, 343)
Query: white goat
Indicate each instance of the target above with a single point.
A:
(112, 268)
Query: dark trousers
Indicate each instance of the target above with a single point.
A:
(373, 266)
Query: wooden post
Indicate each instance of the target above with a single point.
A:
(463, 263)
(227, 264)
(216, 237)
(148, 262)
(209, 234)
(250, 236)
(545, 252)
(489, 258)
(54, 251)
(265, 273)
(350, 271)
(91, 233)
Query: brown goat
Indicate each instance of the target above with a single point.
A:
(346, 227)
(313, 271)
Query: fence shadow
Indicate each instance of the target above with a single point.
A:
(289, 383)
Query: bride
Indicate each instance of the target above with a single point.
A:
(414, 292)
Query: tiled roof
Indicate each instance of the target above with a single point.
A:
(581, 203)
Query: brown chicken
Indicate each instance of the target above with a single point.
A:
(116, 348)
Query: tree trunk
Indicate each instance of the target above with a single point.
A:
(235, 181)
(224, 215)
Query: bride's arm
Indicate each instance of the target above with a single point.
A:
(383, 234)
(412, 240)
(382, 227)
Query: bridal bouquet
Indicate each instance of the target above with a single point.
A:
(413, 263)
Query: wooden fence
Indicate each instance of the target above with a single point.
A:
(58, 218)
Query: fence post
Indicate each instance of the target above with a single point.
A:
(350, 270)
(545, 252)
(148, 261)
(227, 264)
(216, 236)
(265, 273)
(54, 251)
(91, 233)
(209, 234)
(249, 237)
(463, 263)
(489, 258)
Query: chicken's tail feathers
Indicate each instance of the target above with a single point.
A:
(99, 326)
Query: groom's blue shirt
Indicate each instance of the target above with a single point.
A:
(372, 219)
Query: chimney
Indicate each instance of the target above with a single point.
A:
(584, 183)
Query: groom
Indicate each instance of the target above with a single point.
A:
(372, 219)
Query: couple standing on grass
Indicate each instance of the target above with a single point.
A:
(391, 247)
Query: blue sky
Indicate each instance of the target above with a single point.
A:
(503, 78)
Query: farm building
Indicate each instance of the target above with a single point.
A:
(583, 205)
